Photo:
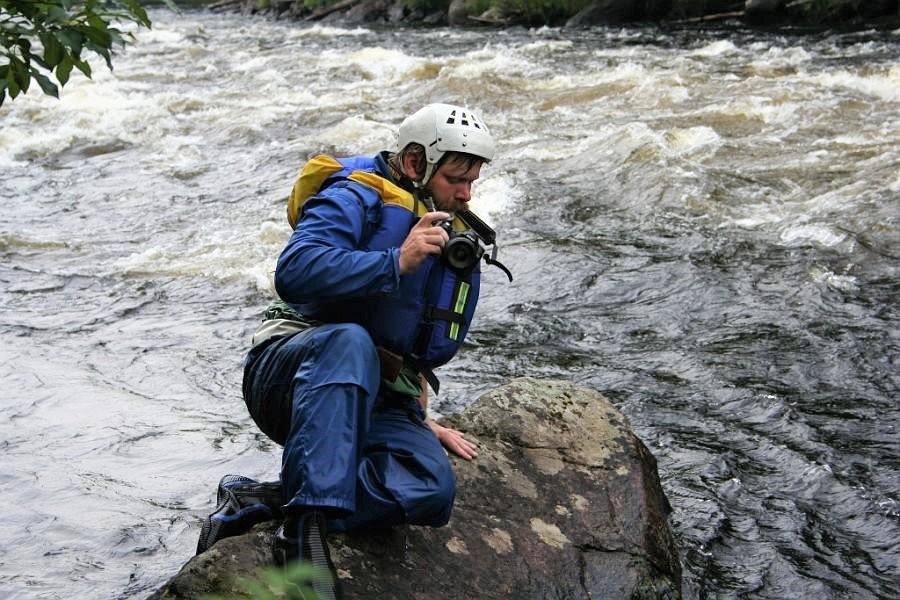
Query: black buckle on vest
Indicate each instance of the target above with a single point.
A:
(443, 314)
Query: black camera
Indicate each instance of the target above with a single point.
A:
(463, 249)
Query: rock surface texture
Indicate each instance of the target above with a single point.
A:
(563, 501)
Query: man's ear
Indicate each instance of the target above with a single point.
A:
(410, 163)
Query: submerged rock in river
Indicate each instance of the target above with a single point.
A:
(563, 501)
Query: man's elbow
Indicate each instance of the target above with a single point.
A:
(290, 286)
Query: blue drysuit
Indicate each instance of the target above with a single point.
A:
(361, 453)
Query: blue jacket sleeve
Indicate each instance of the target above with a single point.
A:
(323, 260)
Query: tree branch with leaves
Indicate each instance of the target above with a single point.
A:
(43, 40)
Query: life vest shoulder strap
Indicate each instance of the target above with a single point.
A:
(319, 169)
(309, 182)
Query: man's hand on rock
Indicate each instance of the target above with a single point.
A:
(453, 440)
(424, 239)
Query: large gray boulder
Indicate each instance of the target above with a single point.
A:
(563, 501)
(458, 13)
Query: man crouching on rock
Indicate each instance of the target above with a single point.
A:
(370, 303)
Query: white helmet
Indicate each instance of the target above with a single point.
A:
(442, 128)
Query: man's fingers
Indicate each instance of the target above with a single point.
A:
(428, 219)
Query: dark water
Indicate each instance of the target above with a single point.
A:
(704, 226)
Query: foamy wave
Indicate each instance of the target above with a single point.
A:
(895, 185)
(495, 195)
(780, 57)
(759, 215)
(628, 72)
(846, 283)
(324, 31)
(715, 49)
(618, 141)
(757, 107)
(221, 254)
(87, 112)
(538, 148)
(159, 35)
(682, 142)
(358, 135)
(629, 138)
(382, 63)
(488, 61)
(885, 87)
(547, 47)
(820, 234)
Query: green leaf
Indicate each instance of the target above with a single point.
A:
(17, 77)
(84, 67)
(116, 37)
(96, 36)
(104, 52)
(24, 80)
(53, 50)
(48, 86)
(171, 5)
(138, 11)
(97, 23)
(2, 96)
(12, 85)
(40, 61)
(64, 69)
(57, 14)
(72, 40)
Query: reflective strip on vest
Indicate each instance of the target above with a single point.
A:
(459, 305)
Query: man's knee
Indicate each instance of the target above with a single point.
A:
(433, 508)
(347, 337)
(340, 353)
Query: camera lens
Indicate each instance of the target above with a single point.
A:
(460, 253)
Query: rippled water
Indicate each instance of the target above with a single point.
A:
(704, 226)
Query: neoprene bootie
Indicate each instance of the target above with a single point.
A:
(241, 503)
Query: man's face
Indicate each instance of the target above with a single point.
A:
(451, 184)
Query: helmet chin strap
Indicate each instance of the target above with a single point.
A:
(422, 193)
(429, 171)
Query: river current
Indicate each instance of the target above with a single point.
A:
(702, 225)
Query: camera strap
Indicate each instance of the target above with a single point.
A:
(487, 235)
(481, 229)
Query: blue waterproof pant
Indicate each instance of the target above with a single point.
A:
(347, 450)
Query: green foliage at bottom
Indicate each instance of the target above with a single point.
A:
(277, 583)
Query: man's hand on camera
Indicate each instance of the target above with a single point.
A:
(424, 239)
